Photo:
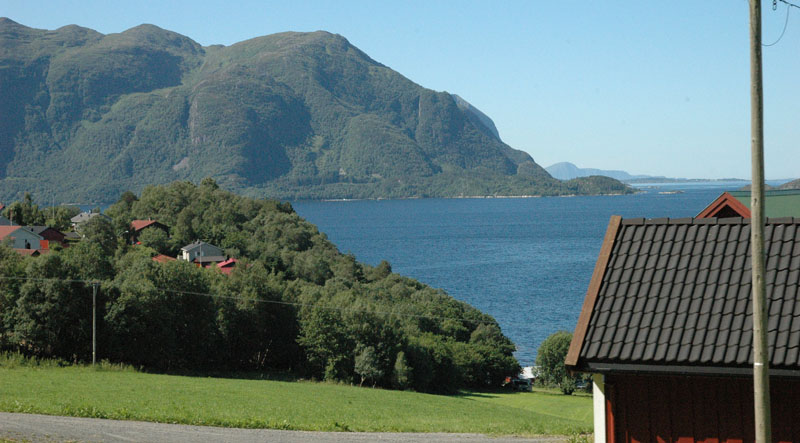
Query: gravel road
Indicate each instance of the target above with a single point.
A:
(47, 428)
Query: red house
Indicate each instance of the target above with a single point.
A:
(161, 258)
(49, 234)
(227, 266)
(137, 226)
(777, 203)
(666, 331)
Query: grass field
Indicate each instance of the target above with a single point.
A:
(126, 394)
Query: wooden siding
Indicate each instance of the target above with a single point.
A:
(695, 409)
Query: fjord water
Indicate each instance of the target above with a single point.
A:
(525, 261)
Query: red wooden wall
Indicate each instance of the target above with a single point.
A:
(689, 409)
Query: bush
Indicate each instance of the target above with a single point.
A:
(567, 385)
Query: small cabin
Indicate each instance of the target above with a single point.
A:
(666, 330)
(203, 253)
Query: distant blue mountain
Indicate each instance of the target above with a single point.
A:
(568, 171)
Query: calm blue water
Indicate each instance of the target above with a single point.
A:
(526, 261)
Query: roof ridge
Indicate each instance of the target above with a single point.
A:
(706, 221)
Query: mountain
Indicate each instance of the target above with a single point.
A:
(794, 184)
(291, 115)
(568, 171)
(478, 116)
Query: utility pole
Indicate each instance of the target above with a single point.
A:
(763, 431)
(94, 322)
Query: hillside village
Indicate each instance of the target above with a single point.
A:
(37, 240)
(194, 277)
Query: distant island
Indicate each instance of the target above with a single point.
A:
(568, 171)
(291, 116)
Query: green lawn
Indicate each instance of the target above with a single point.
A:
(126, 394)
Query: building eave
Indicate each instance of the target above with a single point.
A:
(591, 293)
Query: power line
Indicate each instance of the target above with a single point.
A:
(257, 300)
(785, 24)
(791, 5)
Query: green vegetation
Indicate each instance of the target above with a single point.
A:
(291, 115)
(550, 360)
(121, 393)
(294, 302)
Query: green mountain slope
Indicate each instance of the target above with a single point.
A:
(290, 115)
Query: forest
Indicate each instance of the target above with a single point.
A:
(293, 303)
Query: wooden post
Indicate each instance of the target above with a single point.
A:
(763, 431)
(94, 323)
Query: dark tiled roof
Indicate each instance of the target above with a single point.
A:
(37, 229)
(86, 216)
(677, 293)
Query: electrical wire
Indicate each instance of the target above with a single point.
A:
(785, 24)
(791, 5)
(256, 300)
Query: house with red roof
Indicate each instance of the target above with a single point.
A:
(227, 266)
(49, 234)
(161, 258)
(137, 226)
(777, 203)
(20, 237)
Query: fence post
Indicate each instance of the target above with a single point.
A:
(94, 322)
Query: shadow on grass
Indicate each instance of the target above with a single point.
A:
(234, 375)
(485, 393)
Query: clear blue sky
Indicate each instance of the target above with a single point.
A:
(657, 88)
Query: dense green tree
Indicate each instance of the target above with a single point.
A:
(52, 314)
(120, 213)
(156, 239)
(12, 273)
(100, 231)
(383, 270)
(90, 260)
(366, 364)
(158, 317)
(258, 331)
(25, 213)
(59, 217)
(327, 344)
(550, 360)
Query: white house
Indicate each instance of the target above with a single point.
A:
(202, 252)
(80, 219)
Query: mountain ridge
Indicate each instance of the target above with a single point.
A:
(568, 171)
(94, 115)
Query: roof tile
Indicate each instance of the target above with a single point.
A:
(678, 292)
